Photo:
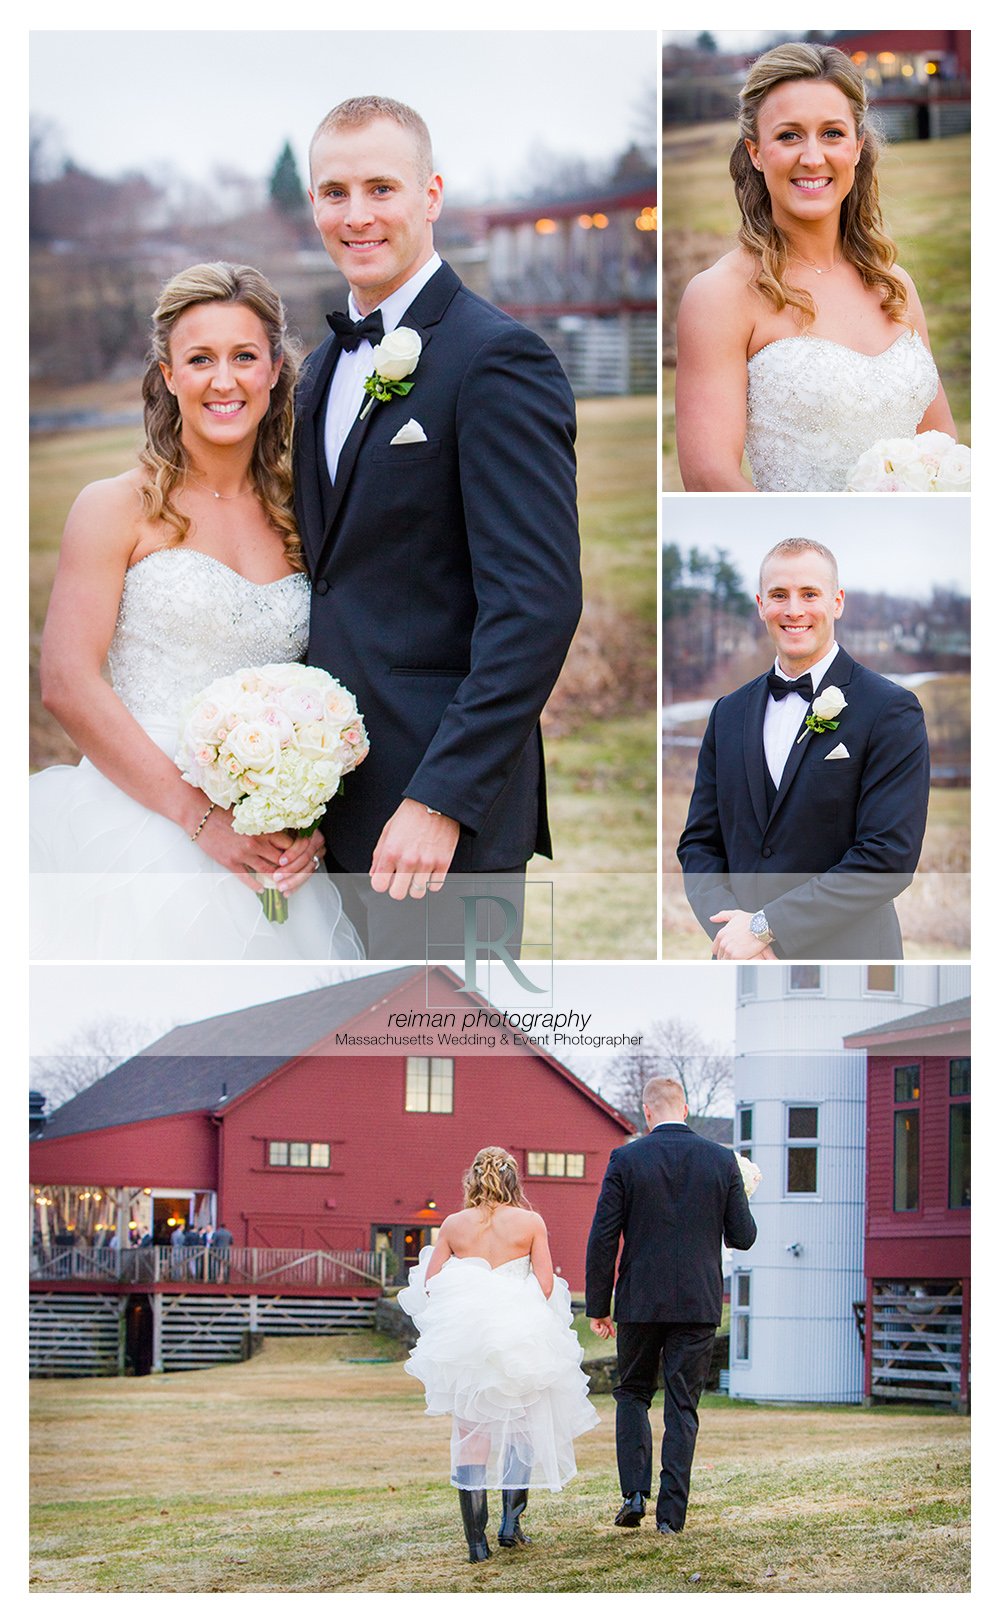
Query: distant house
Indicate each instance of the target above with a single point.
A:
(323, 1151)
(918, 1205)
(583, 272)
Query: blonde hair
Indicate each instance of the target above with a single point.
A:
(358, 111)
(163, 459)
(791, 549)
(664, 1095)
(493, 1179)
(865, 243)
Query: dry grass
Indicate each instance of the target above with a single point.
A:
(301, 1472)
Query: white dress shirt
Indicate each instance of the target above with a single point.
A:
(784, 718)
(347, 394)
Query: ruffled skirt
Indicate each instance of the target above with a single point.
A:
(505, 1364)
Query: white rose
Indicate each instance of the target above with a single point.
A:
(751, 1173)
(255, 747)
(341, 707)
(318, 741)
(955, 472)
(397, 354)
(868, 473)
(933, 441)
(828, 704)
(303, 704)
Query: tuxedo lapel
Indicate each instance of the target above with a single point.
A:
(422, 316)
(838, 676)
(311, 473)
(753, 749)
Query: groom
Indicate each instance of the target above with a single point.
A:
(671, 1198)
(440, 531)
(810, 798)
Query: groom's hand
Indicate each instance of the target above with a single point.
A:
(736, 940)
(414, 852)
(603, 1327)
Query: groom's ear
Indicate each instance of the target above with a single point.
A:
(435, 197)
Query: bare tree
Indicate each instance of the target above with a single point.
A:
(93, 1050)
(672, 1048)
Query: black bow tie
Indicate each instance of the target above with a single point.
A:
(351, 332)
(778, 688)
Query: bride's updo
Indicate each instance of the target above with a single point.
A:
(163, 459)
(493, 1180)
(866, 244)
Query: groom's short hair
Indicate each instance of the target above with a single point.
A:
(792, 547)
(664, 1096)
(358, 111)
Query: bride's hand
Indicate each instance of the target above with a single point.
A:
(289, 858)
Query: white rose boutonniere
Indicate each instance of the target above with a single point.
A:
(751, 1173)
(393, 359)
(822, 717)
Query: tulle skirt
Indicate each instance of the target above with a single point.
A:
(505, 1364)
(110, 879)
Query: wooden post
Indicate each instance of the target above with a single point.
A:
(157, 1367)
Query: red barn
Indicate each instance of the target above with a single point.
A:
(917, 1206)
(327, 1131)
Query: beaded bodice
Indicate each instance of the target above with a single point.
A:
(814, 407)
(185, 619)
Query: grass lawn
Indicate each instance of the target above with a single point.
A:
(601, 724)
(301, 1471)
(924, 189)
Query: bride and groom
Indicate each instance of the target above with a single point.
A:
(437, 522)
(496, 1349)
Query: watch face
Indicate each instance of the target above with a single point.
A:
(758, 924)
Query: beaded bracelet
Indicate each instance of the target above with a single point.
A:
(204, 820)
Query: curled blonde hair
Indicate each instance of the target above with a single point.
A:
(163, 459)
(865, 243)
(493, 1179)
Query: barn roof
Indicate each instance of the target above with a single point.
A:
(208, 1064)
(941, 1018)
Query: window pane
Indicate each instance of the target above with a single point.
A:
(742, 1290)
(555, 1164)
(803, 978)
(746, 981)
(960, 1076)
(959, 1156)
(802, 1120)
(319, 1155)
(441, 1092)
(417, 1083)
(741, 1324)
(536, 1163)
(801, 1171)
(907, 1079)
(574, 1166)
(881, 978)
(906, 1161)
(277, 1153)
(746, 1124)
(298, 1155)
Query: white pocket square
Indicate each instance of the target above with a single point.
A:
(839, 754)
(411, 433)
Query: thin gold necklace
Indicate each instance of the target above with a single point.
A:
(218, 493)
(821, 270)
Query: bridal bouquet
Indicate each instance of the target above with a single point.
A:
(273, 741)
(930, 461)
(751, 1173)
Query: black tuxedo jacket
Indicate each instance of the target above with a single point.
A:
(672, 1197)
(842, 837)
(446, 576)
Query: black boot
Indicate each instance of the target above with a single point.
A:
(474, 1517)
(515, 1502)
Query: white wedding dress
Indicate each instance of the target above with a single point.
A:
(110, 879)
(814, 407)
(505, 1364)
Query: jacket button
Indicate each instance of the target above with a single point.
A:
(321, 587)
(767, 849)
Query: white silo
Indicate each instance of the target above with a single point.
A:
(800, 1114)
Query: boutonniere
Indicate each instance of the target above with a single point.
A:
(826, 707)
(394, 358)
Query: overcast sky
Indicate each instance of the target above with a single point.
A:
(882, 543)
(194, 100)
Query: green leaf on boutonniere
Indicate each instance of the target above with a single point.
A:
(378, 388)
(816, 724)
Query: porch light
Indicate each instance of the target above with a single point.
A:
(599, 221)
(886, 57)
(585, 221)
(431, 1206)
(545, 227)
(931, 67)
(646, 221)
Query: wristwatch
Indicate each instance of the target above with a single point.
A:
(761, 930)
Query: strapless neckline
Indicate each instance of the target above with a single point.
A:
(196, 552)
(524, 1256)
(862, 354)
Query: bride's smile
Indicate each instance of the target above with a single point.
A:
(807, 149)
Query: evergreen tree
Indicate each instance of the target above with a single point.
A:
(285, 187)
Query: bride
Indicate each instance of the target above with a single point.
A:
(497, 1351)
(181, 570)
(807, 343)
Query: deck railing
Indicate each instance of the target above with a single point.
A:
(267, 1267)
